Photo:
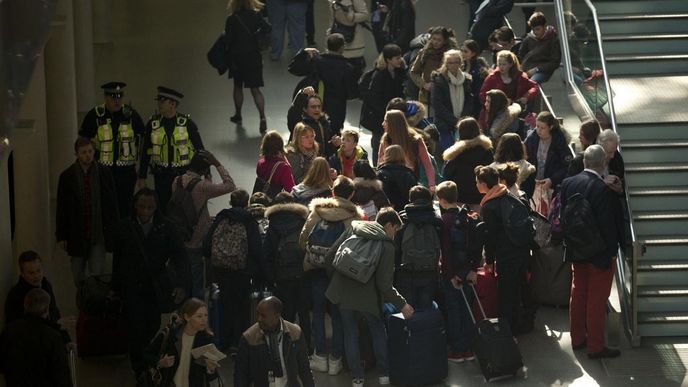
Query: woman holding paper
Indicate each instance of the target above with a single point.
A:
(183, 351)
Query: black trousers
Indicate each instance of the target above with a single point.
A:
(296, 298)
(509, 282)
(125, 180)
(143, 322)
(310, 23)
(235, 290)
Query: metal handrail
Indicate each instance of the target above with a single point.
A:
(631, 316)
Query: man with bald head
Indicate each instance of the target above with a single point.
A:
(272, 351)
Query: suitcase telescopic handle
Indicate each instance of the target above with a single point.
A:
(468, 306)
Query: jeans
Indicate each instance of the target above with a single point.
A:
(353, 355)
(95, 261)
(540, 77)
(418, 292)
(197, 272)
(296, 297)
(292, 16)
(319, 284)
(460, 326)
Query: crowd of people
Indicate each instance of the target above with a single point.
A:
(452, 145)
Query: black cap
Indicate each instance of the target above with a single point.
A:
(167, 93)
(114, 88)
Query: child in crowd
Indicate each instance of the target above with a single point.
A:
(348, 153)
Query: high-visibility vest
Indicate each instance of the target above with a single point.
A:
(183, 149)
(105, 141)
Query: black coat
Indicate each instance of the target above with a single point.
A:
(445, 120)
(32, 353)
(489, 19)
(140, 262)
(462, 158)
(383, 87)
(253, 359)
(397, 181)
(402, 23)
(284, 220)
(69, 216)
(198, 376)
(417, 213)
(241, 40)
(606, 208)
(558, 159)
(498, 247)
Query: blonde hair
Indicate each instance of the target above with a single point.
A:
(233, 6)
(299, 130)
(449, 54)
(318, 175)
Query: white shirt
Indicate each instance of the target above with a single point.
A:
(181, 377)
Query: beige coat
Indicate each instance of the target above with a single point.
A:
(358, 13)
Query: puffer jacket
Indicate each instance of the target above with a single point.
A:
(462, 158)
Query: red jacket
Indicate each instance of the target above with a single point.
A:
(282, 176)
(524, 88)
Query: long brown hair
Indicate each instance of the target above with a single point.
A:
(498, 102)
(398, 133)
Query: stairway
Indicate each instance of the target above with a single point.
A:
(645, 44)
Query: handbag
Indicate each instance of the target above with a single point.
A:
(217, 55)
(267, 187)
(152, 376)
(349, 32)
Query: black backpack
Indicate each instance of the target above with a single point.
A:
(519, 224)
(181, 209)
(582, 238)
(289, 255)
(467, 236)
(364, 83)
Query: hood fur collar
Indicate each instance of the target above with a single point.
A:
(298, 209)
(335, 209)
(375, 184)
(464, 145)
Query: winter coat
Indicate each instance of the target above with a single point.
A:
(397, 180)
(333, 209)
(558, 159)
(419, 213)
(367, 190)
(383, 87)
(506, 121)
(283, 175)
(356, 13)
(284, 220)
(427, 61)
(253, 360)
(445, 119)
(198, 376)
(69, 216)
(545, 53)
(488, 19)
(304, 194)
(451, 267)
(462, 158)
(479, 71)
(400, 24)
(524, 87)
(498, 247)
(300, 164)
(350, 294)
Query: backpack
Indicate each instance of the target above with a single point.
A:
(554, 218)
(467, 236)
(420, 247)
(229, 246)
(357, 258)
(519, 224)
(364, 83)
(289, 256)
(582, 238)
(181, 209)
(320, 241)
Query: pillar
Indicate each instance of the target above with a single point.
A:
(102, 21)
(84, 64)
(8, 272)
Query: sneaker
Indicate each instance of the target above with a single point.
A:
(318, 363)
(468, 356)
(335, 366)
(455, 357)
(236, 119)
(357, 383)
(383, 380)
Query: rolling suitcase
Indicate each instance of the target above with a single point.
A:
(551, 280)
(102, 335)
(417, 349)
(495, 347)
(487, 295)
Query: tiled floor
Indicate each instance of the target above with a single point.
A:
(165, 44)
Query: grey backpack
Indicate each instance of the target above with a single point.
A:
(420, 247)
(357, 257)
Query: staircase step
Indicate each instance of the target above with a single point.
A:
(639, 151)
(673, 63)
(662, 272)
(665, 247)
(644, 44)
(651, 131)
(663, 298)
(655, 174)
(631, 6)
(659, 222)
(643, 23)
(663, 323)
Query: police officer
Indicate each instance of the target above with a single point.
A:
(170, 142)
(115, 130)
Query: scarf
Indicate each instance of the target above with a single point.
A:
(456, 92)
(494, 192)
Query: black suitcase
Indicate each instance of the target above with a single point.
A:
(417, 349)
(495, 347)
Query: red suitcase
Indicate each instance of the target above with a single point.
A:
(102, 335)
(486, 287)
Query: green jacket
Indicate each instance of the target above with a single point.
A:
(350, 294)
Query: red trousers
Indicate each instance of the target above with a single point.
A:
(587, 310)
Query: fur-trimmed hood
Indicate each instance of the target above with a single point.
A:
(461, 146)
(504, 119)
(420, 113)
(292, 208)
(287, 217)
(335, 209)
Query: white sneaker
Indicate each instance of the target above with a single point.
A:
(357, 383)
(318, 363)
(335, 366)
(383, 380)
